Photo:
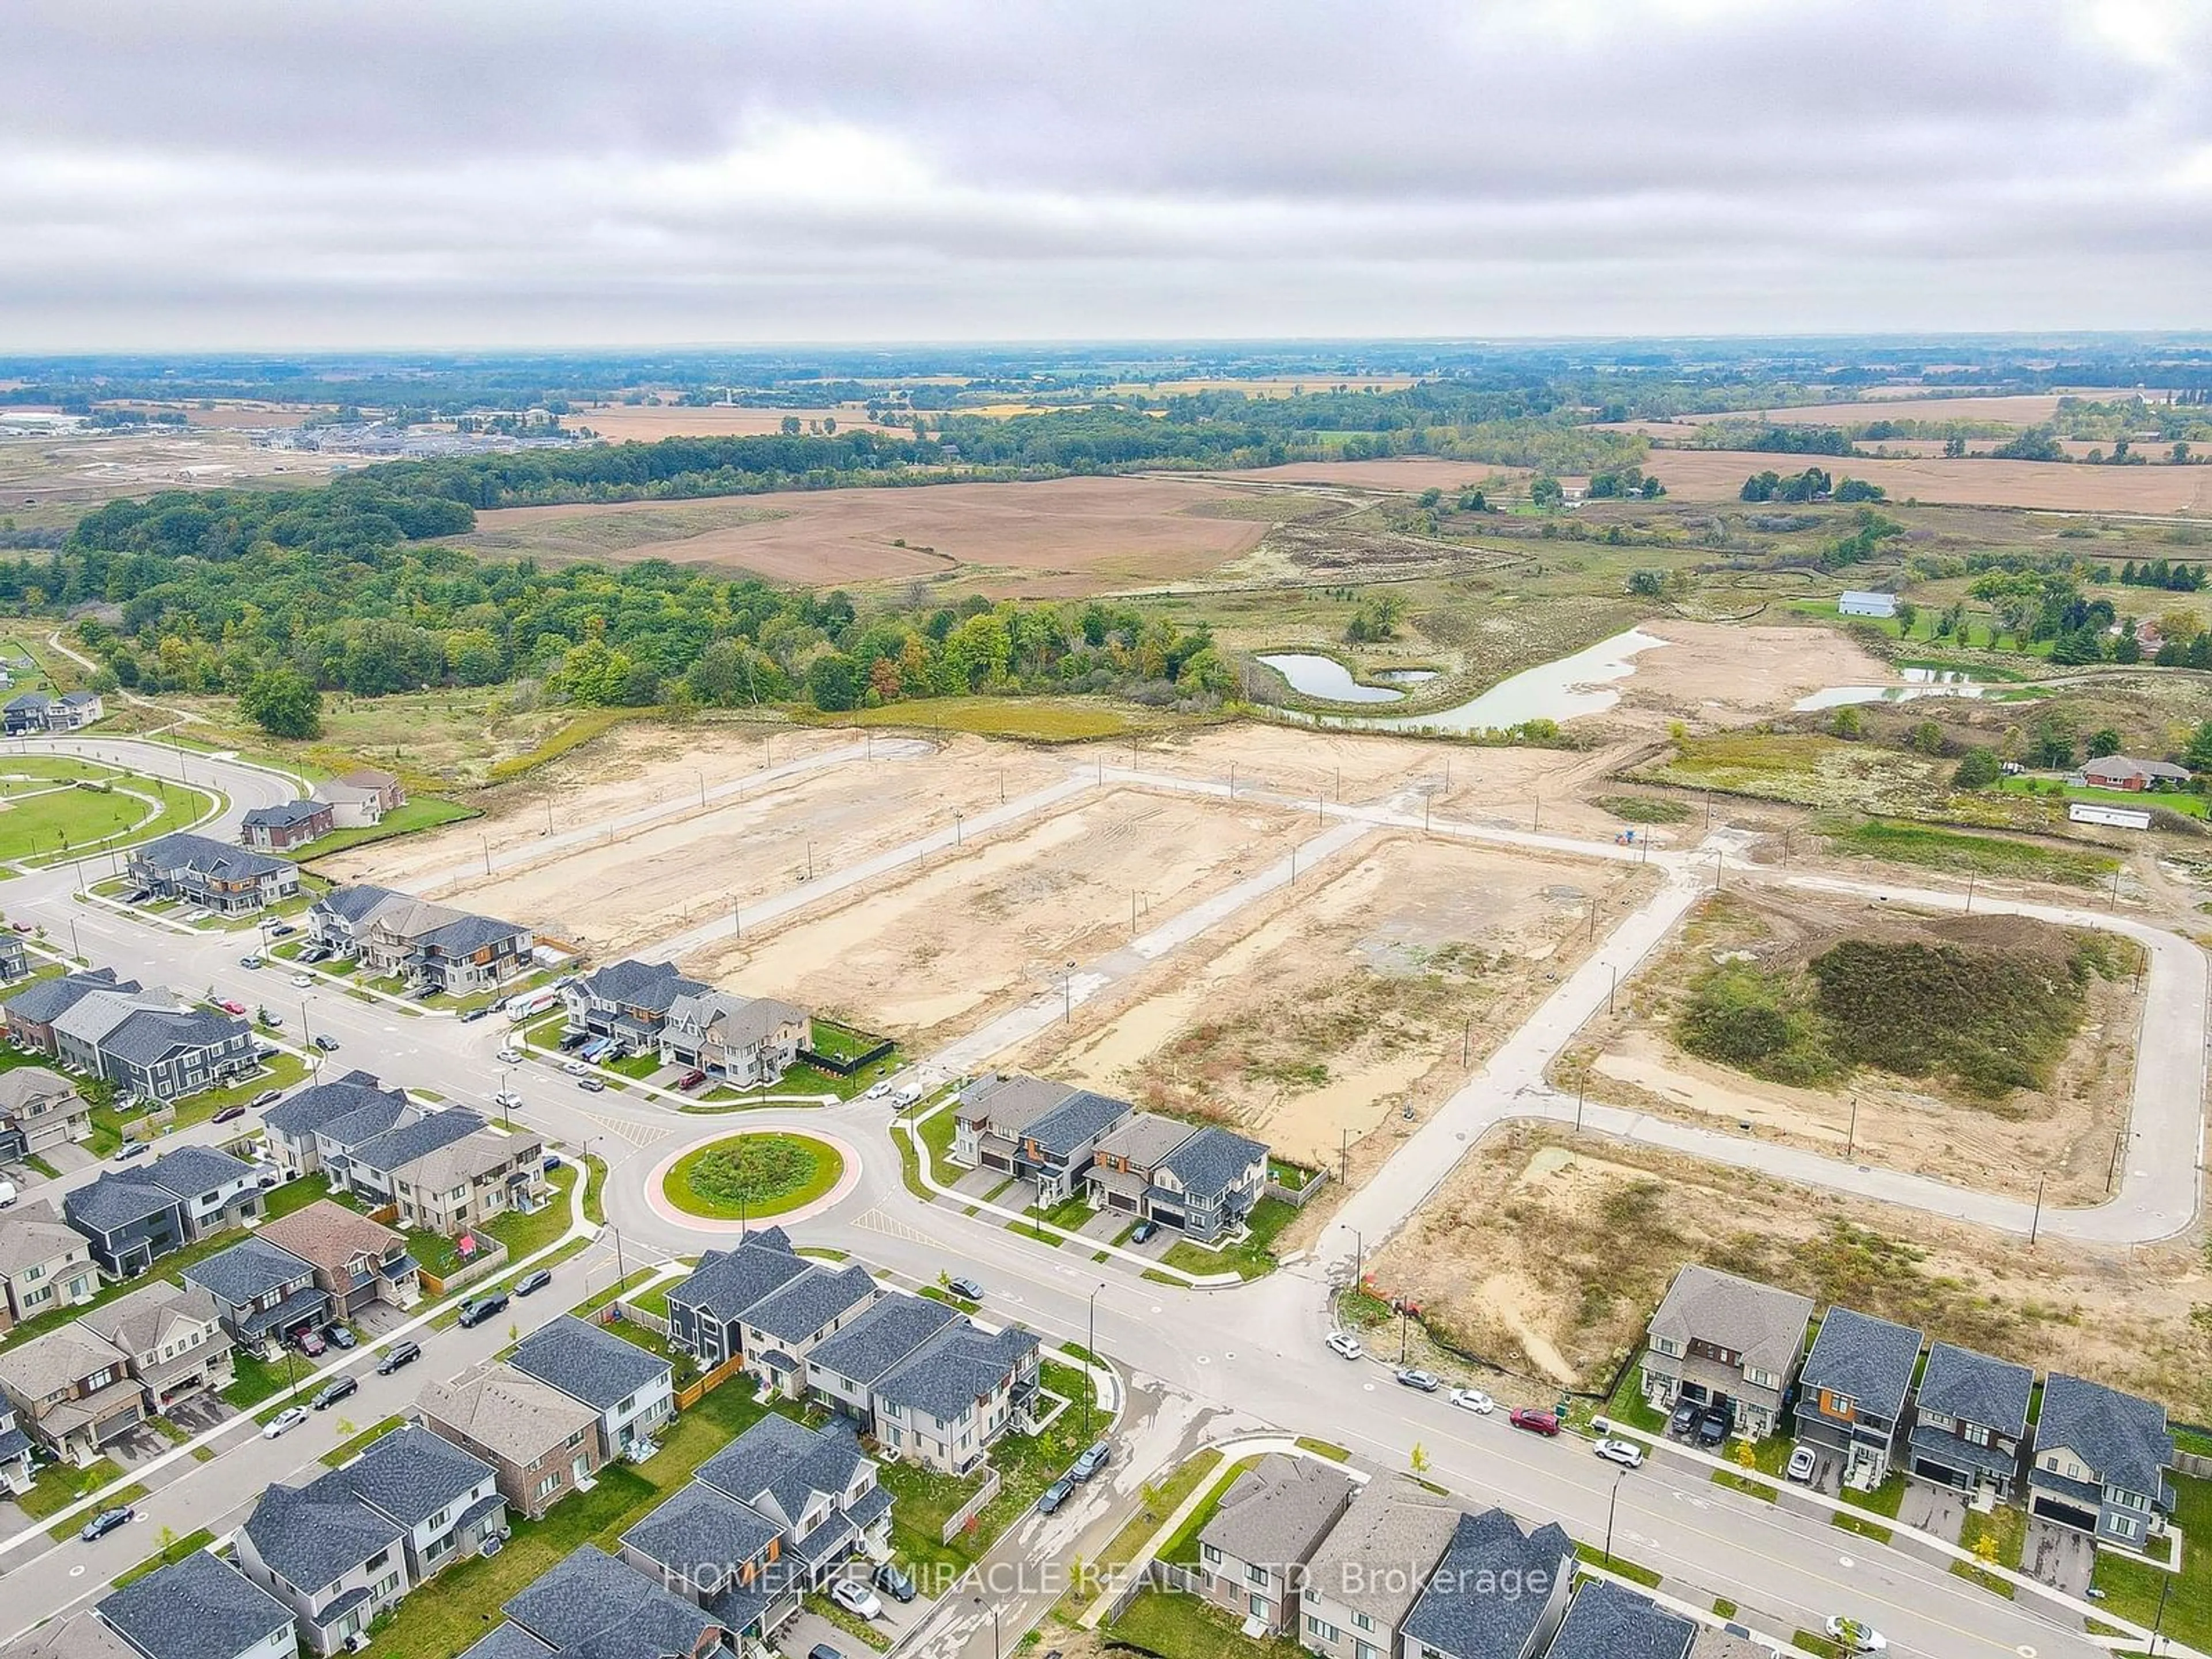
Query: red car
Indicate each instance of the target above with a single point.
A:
(1535, 1422)
(230, 1007)
(691, 1079)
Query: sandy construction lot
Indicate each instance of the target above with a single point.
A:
(1060, 538)
(1723, 674)
(1717, 475)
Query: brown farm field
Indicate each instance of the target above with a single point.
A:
(1065, 538)
(1717, 475)
(2013, 409)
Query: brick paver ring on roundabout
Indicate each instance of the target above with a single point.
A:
(736, 1183)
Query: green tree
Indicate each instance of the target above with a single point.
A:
(2102, 741)
(284, 703)
(1544, 491)
(1978, 769)
(833, 681)
(1927, 737)
(2198, 755)
(1847, 723)
(1907, 614)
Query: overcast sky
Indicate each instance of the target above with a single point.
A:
(219, 175)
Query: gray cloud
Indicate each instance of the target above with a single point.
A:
(303, 173)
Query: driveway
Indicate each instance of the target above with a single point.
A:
(2059, 1556)
(199, 1414)
(810, 1630)
(1938, 1510)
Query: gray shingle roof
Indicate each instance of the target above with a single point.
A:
(585, 1363)
(400, 1145)
(1610, 1621)
(215, 858)
(79, 1636)
(882, 1336)
(777, 1464)
(635, 984)
(306, 1113)
(1213, 1161)
(350, 904)
(1145, 1139)
(1082, 1117)
(114, 1201)
(2123, 1438)
(369, 1120)
(1462, 1611)
(249, 1269)
(286, 814)
(950, 1373)
(1010, 1104)
(1975, 1389)
(409, 1474)
(466, 932)
(727, 1283)
(40, 1003)
(802, 1307)
(700, 1525)
(1375, 1560)
(507, 1642)
(1767, 1326)
(142, 1320)
(192, 1171)
(592, 1604)
(310, 1536)
(152, 1035)
(1277, 1512)
(1868, 1359)
(195, 1608)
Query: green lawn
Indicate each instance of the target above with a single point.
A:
(1178, 1627)
(355, 1444)
(1625, 1406)
(280, 1073)
(1770, 1456)
(1965, 855)
(258, 1381)
(523, 1234)
(1883, 1500)
(2131, 1587)
(57, 1485)
(63, 823)
(753, 1174)
(1181, 1547)
(191, 1544)
(169, 1267)
(935, 1134)
(1155, 1504)
(425, 812)
(1250, 1258)
(1593, 1555)
(2005, 1529)
(2057, 789)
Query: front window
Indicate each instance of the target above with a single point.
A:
(1255, 1574)
(1211, 1555)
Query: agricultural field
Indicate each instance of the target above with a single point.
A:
(625, 424)
(1717, 475)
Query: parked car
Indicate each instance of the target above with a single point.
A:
(472, 1014)
(230, 1005)
(1854, 1636)
(572, 1041)
(106, 1521)
(284, 1422)
(274, 1022)
(1474, 1399)
(268, 1178)
(590, 1085)
(691, 1080)
(399, 1354)
(475, 1312)
(137, 896)
(305, 981)
(228, 1115)
(310, 1342)
(1412, 1377)
(341, 1335)
(130, 1149)
(824, 1650)
(1685, 1419)
(893, 1582)
(315, 953)
(1713, 1425)
(1801, 1462)
(961, 1286)
(335, 1390)
(535, 1280)
(552, 1162)
(1055, 1495)
(1535, 1422)
(281, 930)
(509, 1056)
(329, 1045)
(877, 1092)
(249, 962)
(1626, 1453)
(1143, 1231)
(1091, 1461)
(423, 993)
(266, 1097)
(1345, 1345)
(856, 1597)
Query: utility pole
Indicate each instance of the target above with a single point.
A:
(1343, 1156)
(1970, 892)
(1613, 968)
(1851, 1134)
(1090, 1347)
(1581, 1088)
(2035, 1222)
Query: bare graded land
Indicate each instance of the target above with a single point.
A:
(1064, 538)
(1753, 1016)
(1546, 1253)
(1336, 1010)
(49, 479)
(1411, 475)
(1717, 475)
(1904, 403)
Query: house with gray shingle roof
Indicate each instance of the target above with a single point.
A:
(417, 942)
(163, 1054)
(333, 1561)
(1970, 1421)
(1611, 1621)
(706, 1312)
(993, 1111)
(844, 1369)
(633, 1391)
(744, 1041)
(542, 1444)
(1498, 1592)
(1208, 1184)
(445, 1499)
(2100, 1463)
(215, 1190)
(79, 1636)
(369, 1164)
(507, 1642)
(40, 1110)
(1365, 1577)
(80, 1030)
(816, 1485)
(627, 1000)
(32, 1009)
(1725, 1343)
(264, 1293)
(199, 1607)
(172, 1338)
(1044, 1133)
(232, 881)
(945, 1403)
(1851, 1393)
(1252, 1551)
(593, 1607)
(293, 1124)
(285, 825)
(128, 1220)
(45, 1264)
(72, 1391)
(720, 1552)
(790, 1322)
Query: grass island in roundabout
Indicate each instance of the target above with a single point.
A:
(751, 1176)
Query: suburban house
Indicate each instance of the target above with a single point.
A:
(32, 1009)
(709, 1548)
(784, 1326)
(744, 1041)
(542, 1444)
(1200, 1181)
(816, 1489)
(357, 1262)
(40, 1110)
(362, 798)
(706, 1312)
(72, 1391)
(1044, 1133)
(215, 875)
(628, 1001)
(342, 1548)
(15, 957)
(214, 1190)
(1851, 1393)
(172, 1338)
(79, 1029)
(45, 1264)
(292, 823)
(1364, 1577)
(466, 1182)
(2100, 1463)
(1606, 1621)
(2125, 772)
(378, 1115)
(1728, 1343)
(160, 1053)
(418, 943)
(25, 713)
(1499, 1593)
(594, 1606)
(930, 1385)
(1970, 1421)
(632, 1391)
(34, 711)
(292, 1125)
(200, 1608)
(128, 1221)
(77, 1636)
(1252, 1553)
(263, 1294)
(1860, 603)
(15, 1457)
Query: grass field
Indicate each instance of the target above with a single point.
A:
(422, 813)
(751, 1175)
(2136, 1589)
(2189, 806)
(51, 819)
(1962, 855)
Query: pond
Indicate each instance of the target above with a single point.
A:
(1329, 679)
(1561, 690)
(1918, 683)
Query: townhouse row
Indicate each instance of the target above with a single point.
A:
(142, 1042)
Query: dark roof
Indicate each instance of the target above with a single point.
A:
(1610, 1621)
(285, 816)
(1212, 1161)
(372, 1118)
(1975, 1389)
(354, 901)
(207, 857)
(195, 1608)
(40, 1003)
(1868, 1359)
(701, 1524)
(651, 985)
(1082, 1117)
(311, 1538)
(800, 1309)
(401, 1145)
(251, 1267)
(191, 1171)
(592, 1604)
(727, 1283)
(306, 1113)
(507, 1642)
(410, 1475)
(114, 1201)
(31, 699)
(152, 1035)
(80, 698)
(469, 932)
(1462, 1612)
(881, 1337)
(2122, 1439)
(781, 1464)
(585, 1363)
(1277, 1512)
(954, 1368)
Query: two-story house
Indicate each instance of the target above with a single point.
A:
(1728, 1345)
(1606, 1621)
(465, 1184)
(15, 958)
(293, 1124)
(170, 1337)
(45, 1264)
(2100, 1463)
(843, 1370)
(214, 1190)
(711, 1550)
(706, 1312)
(40, 1110)
(1208, 1184)
(1253, 1550)
(1046, 1134)
(200, 1608)
(944, 1403)
(1970, 1421)
(361, 797)
(32, 1009)
(1851, 1395)
(541, 1444)
(633, 1391)
(991, 1113)
(1367, 1573)
(627, 1001)
(81, 1029)
(783, 1328)
(289, 823)
(367, 1166)
(818, 1489)
(264, 1295)
(161, 1054)
(72, 1391)
(75, 710)
(75, 1635)
(592, 1604)
(358, 1262)
(215, 875)
(128, 1220)
(744, 1041)
(423, 944)
(446, 1500)
(1499, 1593)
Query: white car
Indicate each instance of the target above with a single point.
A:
(1801, 1464)
(509, 1099)
(284, 1422)
(1474, 1399)
(509, 1056)
(1345, 1343)
(877, 1092)
(1855, 1636)
(305, 981)
(854, 1596)
(575, 1067)
(1626, 1453)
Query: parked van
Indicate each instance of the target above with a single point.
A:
(906, 1095)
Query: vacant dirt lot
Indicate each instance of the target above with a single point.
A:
(1717, 475)
(1412, 476)
(1721, 674)
(1063, 537)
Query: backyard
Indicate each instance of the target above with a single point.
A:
(523, 1234)
(2142, 1591)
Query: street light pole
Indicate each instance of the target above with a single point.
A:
(997, 1652)
(1090, 1347)
(1612, 1499)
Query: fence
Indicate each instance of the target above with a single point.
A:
(967, 1511)
(488, 1262)
(1297, 1197)
(691, 1393)
(630, 1314)
(1156, 1575)
(846, 1065)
